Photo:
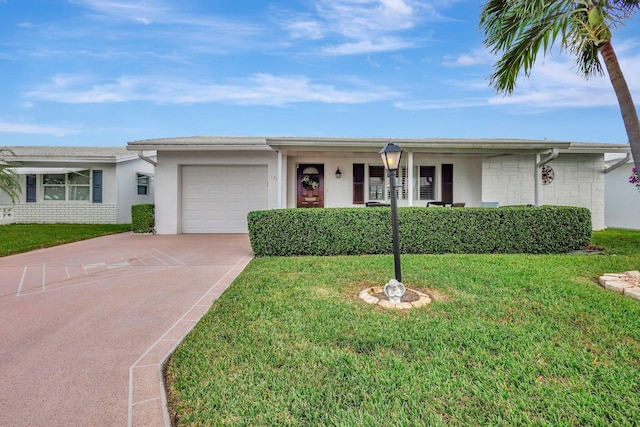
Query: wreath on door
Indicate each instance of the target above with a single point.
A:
(310, 182)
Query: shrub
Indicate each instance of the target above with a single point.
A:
(354, 231)
(142, 218)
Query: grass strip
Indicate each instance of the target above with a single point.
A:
(19, 238)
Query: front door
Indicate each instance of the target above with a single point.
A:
(310, 192)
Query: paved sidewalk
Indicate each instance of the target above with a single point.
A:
(85, 327)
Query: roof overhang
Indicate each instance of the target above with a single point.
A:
(358, 145)
(595, 148)
(67, 155)
(202, 143)
(44, 170)
(417, 145)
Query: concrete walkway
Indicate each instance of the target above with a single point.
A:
(85, 327)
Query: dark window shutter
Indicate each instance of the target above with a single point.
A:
(31, 188)
(447, 183)
(97, 186)
(358, 183)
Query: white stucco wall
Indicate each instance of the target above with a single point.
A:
(578, 181)
(339, 192)
(622, 199)
(127, 175)
(168, 199)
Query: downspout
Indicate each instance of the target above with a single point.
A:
(536, 173)
(146, 159)
(618, 164)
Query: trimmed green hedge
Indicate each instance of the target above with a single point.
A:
(354, 231)
(143, 218)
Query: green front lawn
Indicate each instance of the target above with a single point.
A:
(18, 238)
(510, 340)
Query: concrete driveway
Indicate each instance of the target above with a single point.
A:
(85, 327)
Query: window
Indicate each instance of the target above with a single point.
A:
(143, 185)
(379, 190)
(69, 186)
(401, 180)
(426, 183)
(78, 184)
(376, 182)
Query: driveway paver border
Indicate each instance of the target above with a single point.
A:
(147, 397)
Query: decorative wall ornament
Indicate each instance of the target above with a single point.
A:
(547, 174)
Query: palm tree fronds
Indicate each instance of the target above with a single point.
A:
(9, 182)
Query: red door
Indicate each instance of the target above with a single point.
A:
(310, 192)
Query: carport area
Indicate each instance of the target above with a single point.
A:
(86, 326)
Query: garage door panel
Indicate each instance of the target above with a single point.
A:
(254, 190)
(234, 189)
(217, 199)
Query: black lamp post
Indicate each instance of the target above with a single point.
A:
(391, 155)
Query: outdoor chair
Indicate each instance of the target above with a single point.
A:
(436, 204)
(376, 204)
(458, 205)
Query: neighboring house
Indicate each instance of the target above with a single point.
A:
(209, 184)
(77, 185)
(622, 199)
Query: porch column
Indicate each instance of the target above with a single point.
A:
(410, 177)
(282, 179)
(536, 180)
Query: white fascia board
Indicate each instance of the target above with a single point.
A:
(594, 148)
(201, 143)
(44, 170)
(478, 146)
(63, 160)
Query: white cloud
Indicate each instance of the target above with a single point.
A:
(204, 28)
(367, 46)
(259, 89)
(553, 84)
(143, 11)
(359, 26)
(479, 57)
(441, 104)
(305, 28)
(34, 129)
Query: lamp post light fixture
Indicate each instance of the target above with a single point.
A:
(391, 155)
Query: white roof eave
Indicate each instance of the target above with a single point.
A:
(44, 170)
(417, 145)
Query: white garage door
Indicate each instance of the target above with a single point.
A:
(216, 199)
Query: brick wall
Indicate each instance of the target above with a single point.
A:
(64, 212)
(578, 181)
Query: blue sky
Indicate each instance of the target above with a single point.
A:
(105, 72)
